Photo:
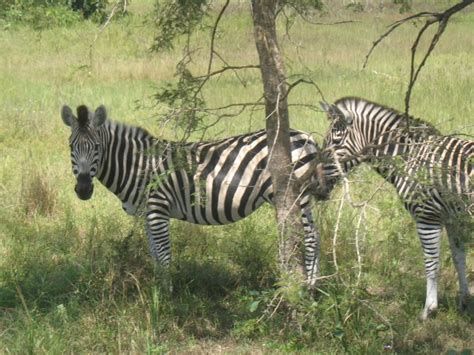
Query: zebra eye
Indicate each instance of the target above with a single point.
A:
(337, 137)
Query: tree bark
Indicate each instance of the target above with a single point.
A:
(285, 189)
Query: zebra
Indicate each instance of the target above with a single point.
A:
(206, 183)
(432, 173)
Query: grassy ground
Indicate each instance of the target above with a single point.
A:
(77, 277)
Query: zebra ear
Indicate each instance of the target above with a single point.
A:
(100, 116)
(326, 108)
(333, 111)
(68, 117)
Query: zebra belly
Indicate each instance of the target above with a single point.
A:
(198, 215)
(208, 203)
(428, 201)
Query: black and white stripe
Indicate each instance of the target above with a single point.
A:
(432, 174)
(207, 183)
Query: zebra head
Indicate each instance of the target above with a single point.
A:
(85, 145)
(339, 128)
(334, 146)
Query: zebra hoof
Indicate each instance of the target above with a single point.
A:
(466, 305)
(428, 312)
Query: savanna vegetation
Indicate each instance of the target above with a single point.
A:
(77, 276)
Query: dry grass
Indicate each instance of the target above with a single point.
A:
(38, 195)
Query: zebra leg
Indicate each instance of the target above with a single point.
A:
(157, 223)
(311, 242)
(456, 244)
(157, 226)
(430, 236)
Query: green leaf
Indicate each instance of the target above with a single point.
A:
(253, 306)
(339, 332)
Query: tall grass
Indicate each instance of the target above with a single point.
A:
(77, 276)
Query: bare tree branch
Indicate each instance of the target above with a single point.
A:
(213, 35)
(242, 81)
(305, 81)
(392, 28)
(103, 27)
(442, 18)
(226, 68)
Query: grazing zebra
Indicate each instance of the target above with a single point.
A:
(432, 174)
(207, 183)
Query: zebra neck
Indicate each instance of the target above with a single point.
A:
(124, 160)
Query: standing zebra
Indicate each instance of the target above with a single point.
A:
(207, 183)
(432, 174)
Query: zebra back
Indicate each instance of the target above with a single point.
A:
(411, 153)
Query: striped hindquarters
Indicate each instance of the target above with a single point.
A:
(438, 171)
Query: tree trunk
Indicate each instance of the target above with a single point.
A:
(285, 191)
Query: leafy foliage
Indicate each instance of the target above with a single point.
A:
(89, 8)
(42, 14)
(177, 18)
(184, 100)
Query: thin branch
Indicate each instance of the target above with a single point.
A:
(242, 81)
(442, 19)
(330, 23)
(213, 35)
(384, 319)
(392, 28)
(241, 104)
(336, 233)
(304, 81)
(101, 29)
(362, 218)
(308, 20)
(314, 108)
(224, 69)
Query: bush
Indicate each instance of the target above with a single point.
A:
(42, 14)
(41, 17)
(89, 8)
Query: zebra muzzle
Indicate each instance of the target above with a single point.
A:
(84, 187)
(320, 187)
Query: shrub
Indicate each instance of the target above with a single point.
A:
(88, 8)
(42, 14)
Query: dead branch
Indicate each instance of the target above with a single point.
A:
(305, 18)
(392, 28)
(213, 35)
(226, 68)
(304, 81)
(442, 19)
(244, 84)
(103, 27)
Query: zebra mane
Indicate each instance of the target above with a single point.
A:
(421, 125)
(82, 115)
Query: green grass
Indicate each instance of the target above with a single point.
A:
(77, 276)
